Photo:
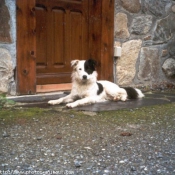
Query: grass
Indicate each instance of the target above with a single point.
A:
(158, 113)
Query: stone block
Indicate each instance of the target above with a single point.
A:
(164, 30)
(169, 67)
(156, 7)
(147, 38)
(164, 53)
(126, 65)
(149, 64)
(6, 70)
(4, 23)
(121, 28)
(132, 6)
(141, 24)
(173, 8)
(171, 47)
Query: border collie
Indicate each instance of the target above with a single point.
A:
(87, 90)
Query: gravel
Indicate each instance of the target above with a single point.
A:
(62, 141)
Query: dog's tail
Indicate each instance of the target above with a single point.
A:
(133, 93)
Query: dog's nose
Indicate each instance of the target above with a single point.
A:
(84, 77)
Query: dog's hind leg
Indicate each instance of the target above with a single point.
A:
(68, 99)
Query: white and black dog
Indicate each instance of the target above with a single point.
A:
(87, 90)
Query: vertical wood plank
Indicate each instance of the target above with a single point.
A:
(26, 47)
(95, 24)
(107, 39)
(101, 36)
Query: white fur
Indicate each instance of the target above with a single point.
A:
(86, 89)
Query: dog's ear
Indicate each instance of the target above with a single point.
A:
(92, 62)
(74, 63)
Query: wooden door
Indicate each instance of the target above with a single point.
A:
(61, 36)
(26, 47)
(51, 33)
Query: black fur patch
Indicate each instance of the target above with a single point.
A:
(131, 92)
(89, 66)
(100, 88)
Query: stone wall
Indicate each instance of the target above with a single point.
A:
(145, 29)
(7, 46)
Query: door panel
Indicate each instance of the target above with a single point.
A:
(61, 36)
(58, 16)
(76, 34)
(41, 41)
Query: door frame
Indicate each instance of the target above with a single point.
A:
(102, 32)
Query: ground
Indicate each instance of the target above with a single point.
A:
(57, 140)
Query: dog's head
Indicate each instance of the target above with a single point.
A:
(84, 70)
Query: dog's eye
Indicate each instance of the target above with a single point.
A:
(79, 68)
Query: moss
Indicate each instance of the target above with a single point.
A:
(141, 115)
(151, 114)
(11, 114)
(4, 101)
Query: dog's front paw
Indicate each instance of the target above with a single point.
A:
(116, 98)
(71, 105)
(53, 102)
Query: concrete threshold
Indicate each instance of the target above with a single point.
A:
(150, 99)
(37, 97)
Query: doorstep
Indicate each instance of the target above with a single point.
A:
(53, 87)
(150, 99)
(42, 97)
